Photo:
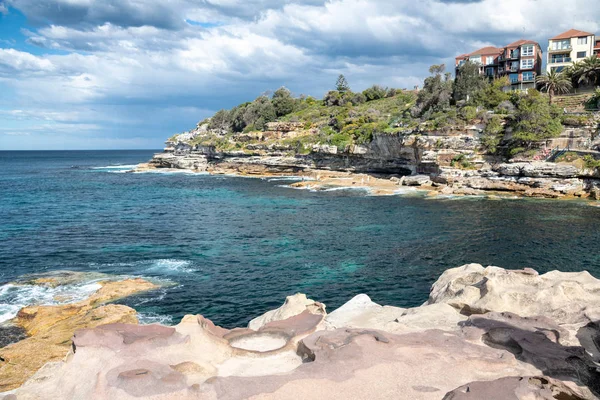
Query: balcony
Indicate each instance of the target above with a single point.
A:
(513, 56)
(528, 79)
(558, 60)
(560, 50)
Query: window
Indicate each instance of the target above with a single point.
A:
(489, 60)
(563, 44)
(489, 71)
(476, 59)
(527, 64)
(527, 50)
(514, 66)
(581, 54)
(582, 40)
(514, 78)
(527, 76)
(558, 69)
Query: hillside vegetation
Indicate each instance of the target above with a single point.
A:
(511, 122)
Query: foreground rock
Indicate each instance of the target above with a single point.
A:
(485, 333)
(50, 328)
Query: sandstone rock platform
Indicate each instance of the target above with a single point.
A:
(484, 333)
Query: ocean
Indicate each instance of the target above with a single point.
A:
(231, 248)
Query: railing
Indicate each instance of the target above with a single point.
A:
(563, 48)
(560, 60)
(557, 152)
(528, 79)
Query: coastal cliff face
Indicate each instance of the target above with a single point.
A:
(484, 333)
(449, 162)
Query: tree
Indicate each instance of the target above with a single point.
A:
(493, 94)
(589, 70)
(469, 82)
(341, 84)
(259, 113)
(554, 82)
(221, 121)
(283, 102)
(436, 93)
(534, 120)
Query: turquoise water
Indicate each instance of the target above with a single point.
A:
(232, 248)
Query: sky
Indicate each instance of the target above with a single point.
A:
(128, 74)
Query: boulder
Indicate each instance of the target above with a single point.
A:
(293, 305)
(571, 299)
(417, 180)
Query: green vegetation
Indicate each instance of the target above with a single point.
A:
(461, 161)
(554, 82)
(588, 160)
(534, 120)
(593, 103)
(591, 162)
(512, 122)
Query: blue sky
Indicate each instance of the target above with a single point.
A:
(108, 74)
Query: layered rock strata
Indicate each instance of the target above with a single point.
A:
(446, 164)
(484, 333)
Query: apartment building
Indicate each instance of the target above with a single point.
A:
(520, 61)
(569, 47)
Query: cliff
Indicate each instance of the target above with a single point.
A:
(447, 162)
(484, 333)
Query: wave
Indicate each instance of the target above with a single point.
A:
(15, 295)
(149, 318)
(169, 266)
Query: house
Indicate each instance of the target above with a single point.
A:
(569, 47)
(597, 47)
(520, 61)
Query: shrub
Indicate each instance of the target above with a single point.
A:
(221, 121)
(461, 161)
(492, 134)
(591, 162)
(468, 113)
(593, 103)
(576, 120)
(375, 92)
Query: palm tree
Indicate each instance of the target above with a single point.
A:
(590, 70)
(554, 82)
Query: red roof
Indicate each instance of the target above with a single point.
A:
(571, 33)
(462, 57)
(487, 51)
(521, 43)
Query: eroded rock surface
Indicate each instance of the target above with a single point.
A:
(485, 333)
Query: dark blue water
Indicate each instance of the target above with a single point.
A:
(232, 248)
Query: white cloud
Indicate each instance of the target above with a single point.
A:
(107, 64)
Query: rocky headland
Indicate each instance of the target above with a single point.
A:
(449, 162)
(484, 333)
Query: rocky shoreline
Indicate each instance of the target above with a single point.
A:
(386, 170)
(484, 333)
